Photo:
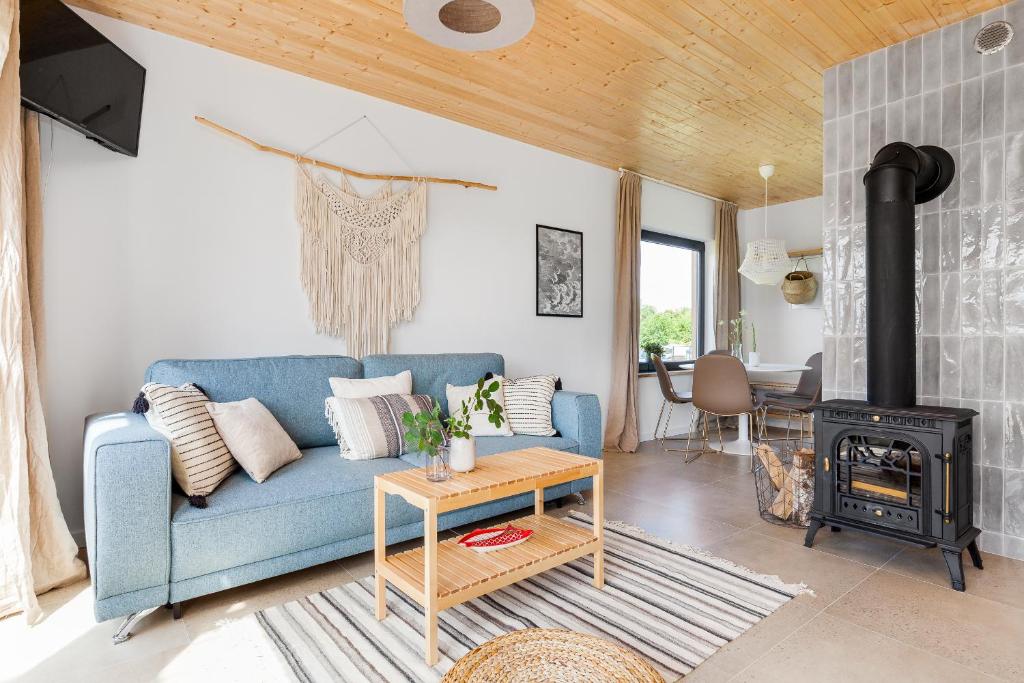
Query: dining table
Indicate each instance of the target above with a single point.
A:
(742, 444)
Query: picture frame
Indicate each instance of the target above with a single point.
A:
(559, 272)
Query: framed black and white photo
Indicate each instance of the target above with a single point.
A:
(559, 272)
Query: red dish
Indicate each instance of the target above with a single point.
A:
(486, 540)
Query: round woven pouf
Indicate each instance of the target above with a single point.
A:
(543, 655)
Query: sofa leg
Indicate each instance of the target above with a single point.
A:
(176, 611)
(580, 500)
(124, 631)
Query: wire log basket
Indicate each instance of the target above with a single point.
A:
(784, 479)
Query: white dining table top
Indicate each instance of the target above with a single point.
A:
(776, 367)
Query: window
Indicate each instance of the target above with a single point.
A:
(671, 299)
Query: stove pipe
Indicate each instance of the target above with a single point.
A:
(900, 176)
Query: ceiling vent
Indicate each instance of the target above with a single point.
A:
(993, 37)
(470, 25)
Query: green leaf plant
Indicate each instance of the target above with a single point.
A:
(427, 430)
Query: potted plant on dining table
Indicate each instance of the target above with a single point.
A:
(441, 439)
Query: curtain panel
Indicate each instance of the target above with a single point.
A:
(37, 552)
(727, 276)
(621, 432)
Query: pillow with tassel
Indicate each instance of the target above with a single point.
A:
(200, 460)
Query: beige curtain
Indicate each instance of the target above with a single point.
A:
(727, 276)
(621, 431)
(37, 552)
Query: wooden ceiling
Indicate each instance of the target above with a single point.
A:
(695, 92)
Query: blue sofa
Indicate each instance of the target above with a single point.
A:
(148, 547)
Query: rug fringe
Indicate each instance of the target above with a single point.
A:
(772, 580)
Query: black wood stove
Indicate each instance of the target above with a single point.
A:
(886, 465)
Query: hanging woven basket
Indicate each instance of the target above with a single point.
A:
(799, 286)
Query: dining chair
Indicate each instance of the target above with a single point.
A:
(799, 402)
(670, 399)
(721, 388)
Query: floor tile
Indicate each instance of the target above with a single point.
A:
(853, 545)
(1001, 580)
(981, 634)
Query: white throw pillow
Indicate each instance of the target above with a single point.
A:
(479, 426)
(528, 404)
(254, 436)
(400, 384)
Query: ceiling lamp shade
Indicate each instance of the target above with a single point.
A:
(767, 260)
(470, 25)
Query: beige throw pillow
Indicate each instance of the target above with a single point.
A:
(479, 426)
(254, 436)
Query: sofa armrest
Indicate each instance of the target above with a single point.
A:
(578, 416)
(127, 500)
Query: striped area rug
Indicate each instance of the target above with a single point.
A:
(673, 604)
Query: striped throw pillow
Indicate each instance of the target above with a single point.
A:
(368, 428)
(200, 460)
(528, 404)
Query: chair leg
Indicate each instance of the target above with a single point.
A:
(657, 425)
(689, 436)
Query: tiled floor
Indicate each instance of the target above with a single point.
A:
(880, 610)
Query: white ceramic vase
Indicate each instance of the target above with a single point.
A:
(754, 359)
(463, 454)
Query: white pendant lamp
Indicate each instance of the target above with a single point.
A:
(470, 25)
(767, 260)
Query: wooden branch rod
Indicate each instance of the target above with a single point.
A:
(799, 253)
(334, 167)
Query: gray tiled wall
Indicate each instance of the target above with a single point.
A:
(935, 89)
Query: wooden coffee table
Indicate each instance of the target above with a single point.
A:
(441, 575)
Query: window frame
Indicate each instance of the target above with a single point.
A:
(699, 323)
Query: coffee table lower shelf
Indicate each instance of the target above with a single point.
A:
(463, 574)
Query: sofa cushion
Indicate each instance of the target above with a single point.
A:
(491, 445)
(314, 501)
(293, 388)
(431, 373)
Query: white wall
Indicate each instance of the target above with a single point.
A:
(664, 209)
(190, 250)
(785, 333)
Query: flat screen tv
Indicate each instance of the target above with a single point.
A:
(71, 72)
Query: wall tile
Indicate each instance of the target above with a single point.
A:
(992, 368)
(993, 237)
(973, 99)
(931, 252)
(970, 239)
(992, 434)
(949, 304)
(930, 358)
(876, 74)
(970, 367)
(932, 118)
(861, 147)
(952, 49)
(861, 83)
(828, 302)
(844, 363)
(1013, 235)
(972, 60)
(970, 303)
(860, 377)
(828, 256)
(1013, 303)
(843, 253)
(858, 241)
(829, 146)
(950, 241)
(1013, 435)
(876, 130)
(949, 368)
(894, 72)
(991, 498)
(844, 310)
(1013, 512)
(829, 91)
(930, 291)
(844, 143)
(829, 201)
(951, 115)
(951, 197)
(931, 48)
(1015, 50)
(1014, 146)
(912, 130)
(912, 67)
(844, 89)
(992, 105)
(992, 170)
(970, 174)
(992, 302)
(1014, 389)
(828, 364)
(859, 308)
(845, 198)
(1015, 93)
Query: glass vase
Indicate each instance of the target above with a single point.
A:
(435, 467)
(737, 350)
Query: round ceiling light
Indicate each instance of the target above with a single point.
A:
(470, 24)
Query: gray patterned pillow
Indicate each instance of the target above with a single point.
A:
(368, 428)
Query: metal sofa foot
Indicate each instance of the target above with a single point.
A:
(580, 500)
(124, 631)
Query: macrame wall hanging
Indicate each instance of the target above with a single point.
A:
(360, 256)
